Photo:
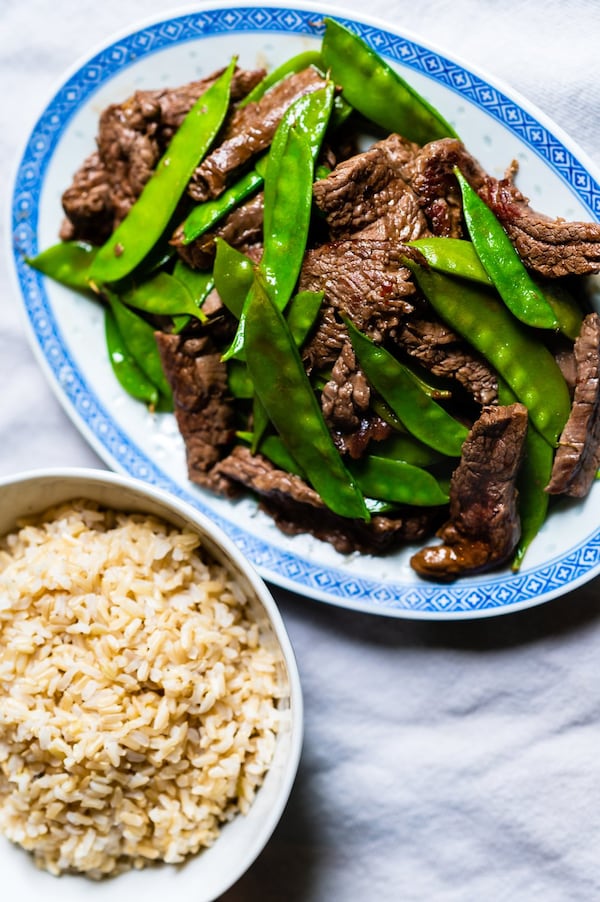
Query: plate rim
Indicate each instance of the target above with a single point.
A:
(358, 599)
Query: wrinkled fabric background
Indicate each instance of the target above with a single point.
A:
(445, 762)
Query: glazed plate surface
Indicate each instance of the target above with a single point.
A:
(67, 330)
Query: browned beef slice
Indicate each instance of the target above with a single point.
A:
(242, 229)
(297, 508)
(345, 404)
(248, 132)
(578, 456)
(131, 138)
(366, 195)
(444, 354)
(203, 407)
(324, 346)
(550, 247)
(87, 203)
(484, 525)
(430, 175)
(365, 279)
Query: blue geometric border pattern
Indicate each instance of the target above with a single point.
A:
(499, 592)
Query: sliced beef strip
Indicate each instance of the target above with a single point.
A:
(578, 455)
(444, 354)
(297, 508)
(248, 132)
(550, 247)
(366, 196)
(131, 138)
(242, 229)
(345, 404)
(484, 526)
(325, 344)
(430, 176)
(365, 279)
(203, 407)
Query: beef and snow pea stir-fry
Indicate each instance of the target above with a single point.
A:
(375, 337)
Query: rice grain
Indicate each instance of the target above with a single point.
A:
(138, 704)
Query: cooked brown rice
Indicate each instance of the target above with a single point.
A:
(138, 704)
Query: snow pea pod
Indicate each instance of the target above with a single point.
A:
(233, 274)
(283, 387)
(502, 263)
(163, 295)
(147, 219)
(288, 190)
(454, 256)
(204, 216)
(420, 414)
(376, 90)
(397, 481)
(302, 313)
(138, 336)
(405, 447)
(67, 262)
(289, 175)
(238, 380)
(524, 362)
(199, 283)
(128, 373)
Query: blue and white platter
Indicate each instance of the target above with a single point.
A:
(67, 330)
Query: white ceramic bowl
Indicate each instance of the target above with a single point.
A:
(210, 873)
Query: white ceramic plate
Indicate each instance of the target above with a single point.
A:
(67, 331)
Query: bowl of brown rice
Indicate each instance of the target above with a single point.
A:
(150, 704)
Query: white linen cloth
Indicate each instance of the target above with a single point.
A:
(443, 762)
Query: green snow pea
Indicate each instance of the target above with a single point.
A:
(454, 256)
(199, 283)
(138, 336)
(289, 174)
(502, 263)
(233, 273)
(240, 383)
(376, 90)
(288, 190)
(397, 481)
(67, 262)
(458, 257)
(288, 199)
(128, 373)
(148, 218)
(163, 295)
(301, 314)
(405, 447)
(283, 388)
(420, 414)
(523, 362)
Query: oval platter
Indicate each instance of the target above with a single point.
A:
(66, 330)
